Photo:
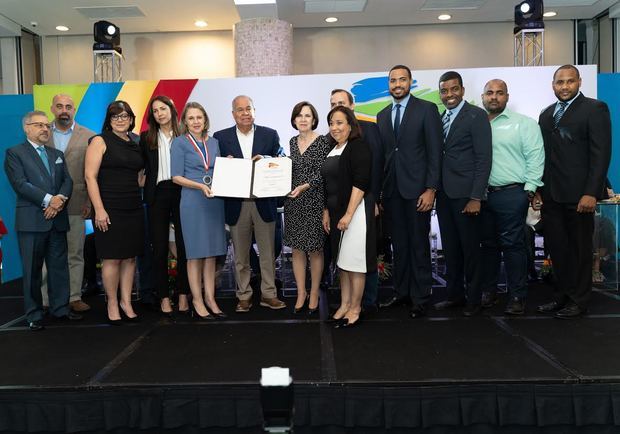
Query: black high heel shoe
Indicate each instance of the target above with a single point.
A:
(298, 310)
(345, 324)
(195, 315)
(126, 317)
(115, 322)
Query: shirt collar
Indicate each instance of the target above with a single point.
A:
(568, 103)
(403, 102)
(455, 111)
(245, 134)
(34, 144)
(56, 130)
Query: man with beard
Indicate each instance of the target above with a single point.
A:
(516, 172)
(412, 140)
(72, 139)
(41, 181)
(577, 137)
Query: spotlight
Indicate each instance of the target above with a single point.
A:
(529, 15)
(107, 36)
(276, 396)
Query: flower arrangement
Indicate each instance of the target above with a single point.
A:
(547, 269)
(384, 269)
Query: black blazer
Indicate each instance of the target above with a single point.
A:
(577, 152)
(467, 155)
(151, 167)
(31, 181)
(266, 142)
(370, 134)
(354, 166)
(413, 162)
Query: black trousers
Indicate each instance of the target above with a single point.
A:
(460, 240)
(163, 211)
(412, 251)
(568, 236)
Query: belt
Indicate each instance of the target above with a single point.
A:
(494, 188)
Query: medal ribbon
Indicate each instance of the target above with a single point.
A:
(204, 155)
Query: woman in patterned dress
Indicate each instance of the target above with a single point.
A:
(303, 208)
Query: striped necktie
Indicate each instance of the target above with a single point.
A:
(558, 115)
(43, 155)
(446, 123)
(397, 120)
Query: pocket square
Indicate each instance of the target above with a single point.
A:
(58, 160)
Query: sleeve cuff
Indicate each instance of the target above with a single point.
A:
(46, 200)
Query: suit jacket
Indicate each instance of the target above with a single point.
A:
(577, 152)
(266, 142)
(151, 167)
(74, 157)
(467, 155)
(31, 182)
(412, 163)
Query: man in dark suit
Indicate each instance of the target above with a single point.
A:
(247, 216)
(577, 136)
(41, 180)
(464, 178)
(370, 134)
(411, 135)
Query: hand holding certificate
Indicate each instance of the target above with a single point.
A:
(237, 177)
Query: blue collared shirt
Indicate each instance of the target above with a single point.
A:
(61, 138)
(453, 114)
(403, 104)
(568, 103)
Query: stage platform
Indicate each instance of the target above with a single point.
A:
(441, 374)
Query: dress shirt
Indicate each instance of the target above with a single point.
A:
(454, 113)
(568, 103)
(163, 152)
(61, 138)
(518, 151)
(246, 141)
(403, 104)
(48, 197)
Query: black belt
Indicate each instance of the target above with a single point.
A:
(494, 188)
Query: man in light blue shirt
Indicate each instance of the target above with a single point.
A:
(516, 173)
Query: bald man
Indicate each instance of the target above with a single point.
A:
(72, 139)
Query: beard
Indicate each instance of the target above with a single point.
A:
(64, 120)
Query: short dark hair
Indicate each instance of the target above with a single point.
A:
(116, 108)
(451, 75)
(568, 66)
(297, 110)
(349, 96)
(356, 130)
(194, 105)
(406, 68)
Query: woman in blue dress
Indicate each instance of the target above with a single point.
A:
(202, 215)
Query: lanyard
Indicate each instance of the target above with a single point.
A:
(204, 155)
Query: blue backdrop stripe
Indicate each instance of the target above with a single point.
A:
(98, 95)
(608, 88)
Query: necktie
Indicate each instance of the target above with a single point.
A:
(43, 155)
(446, 123)
(558, 115)
(397, 120)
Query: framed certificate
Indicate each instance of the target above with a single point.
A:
(243, 178)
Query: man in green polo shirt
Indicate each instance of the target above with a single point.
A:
(516, 173)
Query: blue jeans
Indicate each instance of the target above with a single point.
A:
(503, 231)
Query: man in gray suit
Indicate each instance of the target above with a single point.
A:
(40, 178)
(72, 139)
(464, 178)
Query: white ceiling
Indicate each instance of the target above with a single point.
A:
(179, 15)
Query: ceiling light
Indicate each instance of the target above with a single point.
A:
(331, 19)
(200, 23)
(254, 2)
(62, 28)
(444, 17)
(550, 14)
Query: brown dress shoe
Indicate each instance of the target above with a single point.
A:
(79, 306)
(243, 306)
(272, 303)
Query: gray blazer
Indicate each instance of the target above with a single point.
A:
(31, 182)
(74, 156)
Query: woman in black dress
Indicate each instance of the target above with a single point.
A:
(113, 162)
(349, 213)
(162, 197)
(303, 208)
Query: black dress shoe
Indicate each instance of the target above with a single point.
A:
(516, 306)
(418, 311)
(71, 316)
(472, 310)
(312, 312)
(489, 299)
(449, 304)
(344, 323)
(35, 326)
(571, 311)
(395, 301)
(551, 307)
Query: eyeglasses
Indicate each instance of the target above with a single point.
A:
(121, 117)
(40, 125)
